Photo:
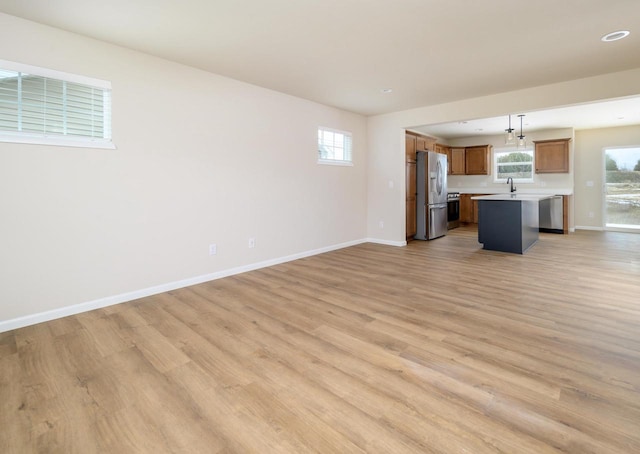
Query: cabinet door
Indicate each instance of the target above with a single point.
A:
(410, 175)
(474, 210)
(565, 214)
(410, 147)
(552, 156)
(457, 161)
(424, 143)
(466, 214)
(477, 160)
(421, 144)
(411, 220)
(442, 149)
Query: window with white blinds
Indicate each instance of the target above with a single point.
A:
(334, 147)
(49, 107)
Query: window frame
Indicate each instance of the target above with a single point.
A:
(105, 142)
(507, 150)
(336, 162)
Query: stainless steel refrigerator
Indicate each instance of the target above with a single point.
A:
(431, 199)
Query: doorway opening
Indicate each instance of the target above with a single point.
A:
(622, 188)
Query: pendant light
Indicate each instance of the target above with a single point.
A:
(509, 138)
(521, 139)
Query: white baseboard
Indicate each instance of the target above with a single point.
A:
(622, 229)
(588, 227)
(27, 320)
(386, 242)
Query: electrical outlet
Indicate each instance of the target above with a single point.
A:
(213, 249)
(252, 243)
(381, 224)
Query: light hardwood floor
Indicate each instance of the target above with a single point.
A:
(438, 347)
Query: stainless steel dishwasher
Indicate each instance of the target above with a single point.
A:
(551, 215)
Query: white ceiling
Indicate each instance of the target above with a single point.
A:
(620, 112)
(343, 52)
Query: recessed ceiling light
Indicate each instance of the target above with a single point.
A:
(462, 122)
(386, 90)
(479, 129)
(615, 36)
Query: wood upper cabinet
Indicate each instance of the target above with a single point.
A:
(421, 144)
(477, 160)
(410, 147)
(438, 148)
(552, 156)
(443, 149)
(457, 161)
(425, 143)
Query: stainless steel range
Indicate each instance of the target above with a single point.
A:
(453, 210)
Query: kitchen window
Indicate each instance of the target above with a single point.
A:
(517, 164)
(334, 147)
(42, 106)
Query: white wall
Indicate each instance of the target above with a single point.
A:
(386, 135)
(200, 159)
(590, 168)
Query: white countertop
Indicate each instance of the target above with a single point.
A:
(514, 197)
(505, 190)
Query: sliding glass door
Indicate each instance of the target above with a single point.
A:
(622, 188)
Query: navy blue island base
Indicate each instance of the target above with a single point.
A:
(508, 223)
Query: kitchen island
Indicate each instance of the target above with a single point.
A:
(508, 222)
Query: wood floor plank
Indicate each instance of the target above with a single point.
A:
(438, 347)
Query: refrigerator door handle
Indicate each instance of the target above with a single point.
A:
(439, 178)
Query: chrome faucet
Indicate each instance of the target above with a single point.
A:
(512, 187)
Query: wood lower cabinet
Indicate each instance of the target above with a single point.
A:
(469, 208)
(477, 160)
(411, 226)
(552, 156)
(411, 220)
(410, 185)
(466, 208)
(474, 208)
(457, 165)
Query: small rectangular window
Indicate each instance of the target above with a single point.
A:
(49, 107)
(517, 164)
(334, 147)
